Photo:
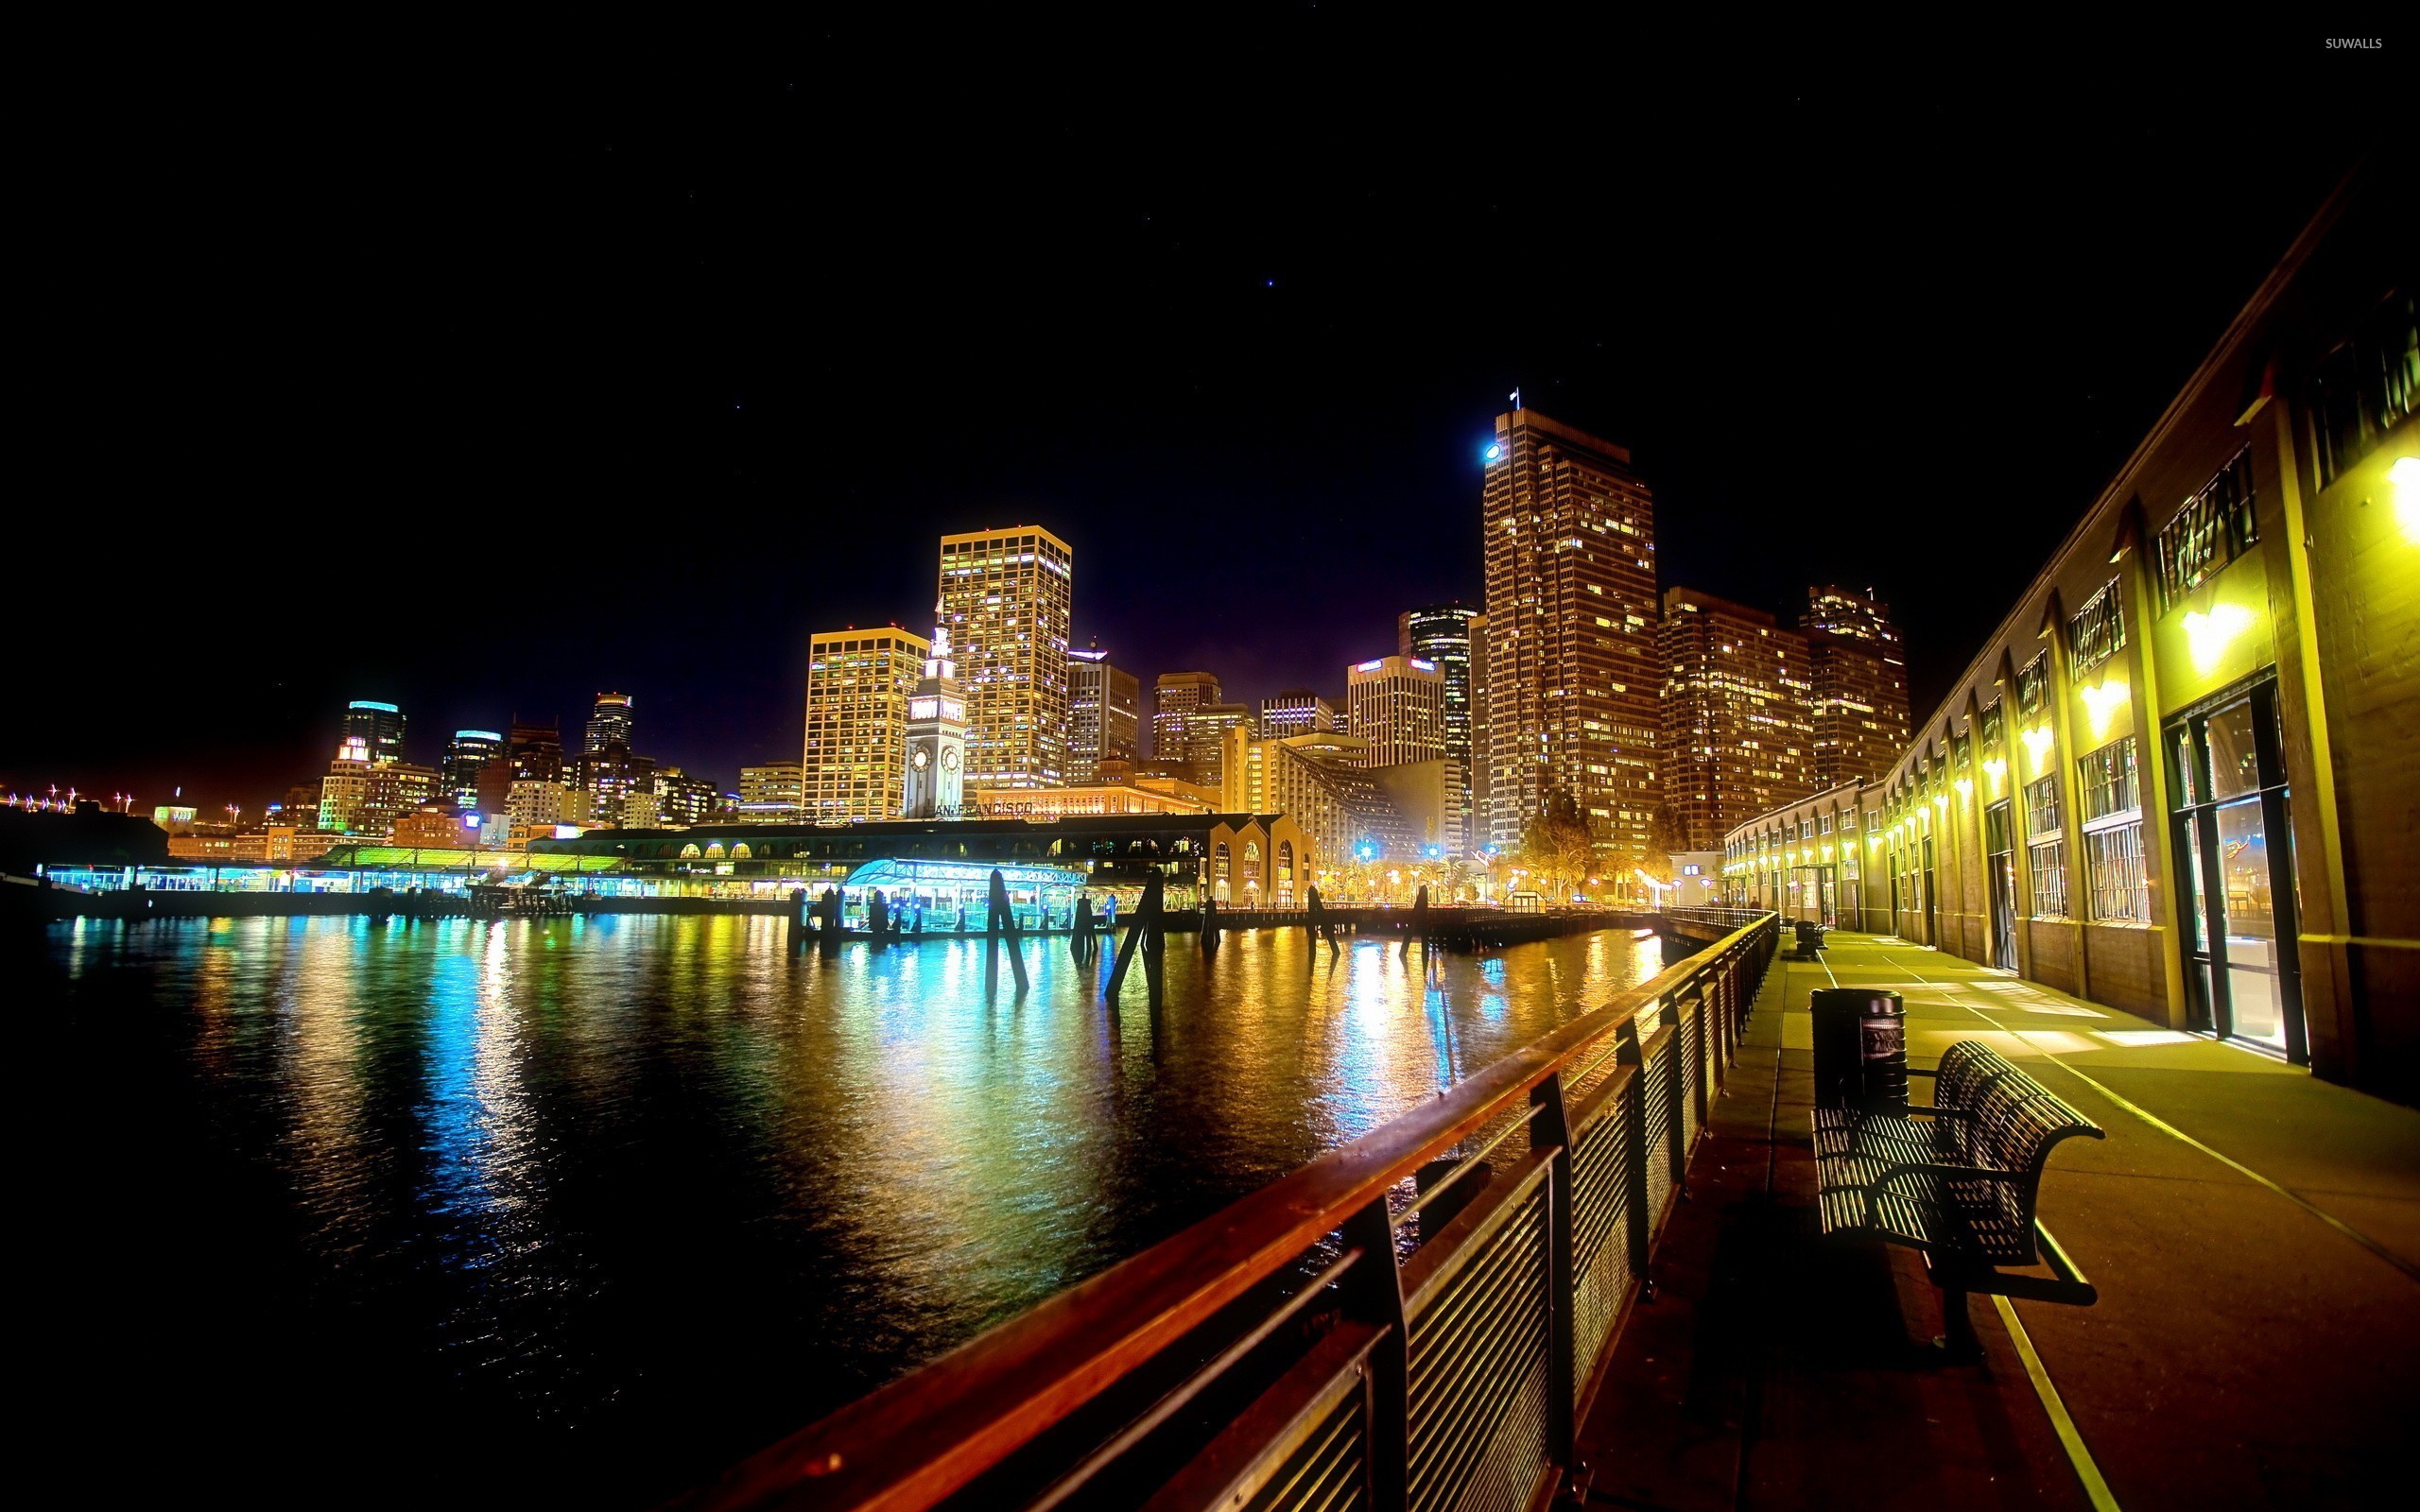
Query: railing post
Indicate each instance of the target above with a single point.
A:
(1632, 1053)
(1374, 1293)
(1550, 1129)
(1717, 1006)
(1676, 1138)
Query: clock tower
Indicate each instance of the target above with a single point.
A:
(935, 771)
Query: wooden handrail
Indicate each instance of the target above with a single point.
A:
(922, 1436)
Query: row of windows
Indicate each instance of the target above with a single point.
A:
(2097, 632)
(2215, 527)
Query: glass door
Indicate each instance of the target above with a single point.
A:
(1999, 845)
(2234, 849)
(1932, 910)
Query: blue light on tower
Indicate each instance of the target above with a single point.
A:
(1367, 851)
(1495, 452)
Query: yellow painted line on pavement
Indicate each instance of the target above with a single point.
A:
(2330, 1219)
(2096, 1489)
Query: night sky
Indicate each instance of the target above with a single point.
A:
(482, 395)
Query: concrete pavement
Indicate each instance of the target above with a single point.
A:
(2254, 1235)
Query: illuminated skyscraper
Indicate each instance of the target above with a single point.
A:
(1205, 738)
(1860, 685)
(1572, 676)
(1103, 714)
(363, 794)
(466, 755)
(620, 786)
(1297, 711)
(1739, 737)
(680, 798)
(857, 686)
(771, 793)
(1475, 836)
(1174, 696)
(1440, 633)
(1005, 597)
(379, 726)
(609, 724)
(1397, 705)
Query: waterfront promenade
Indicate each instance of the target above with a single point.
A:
(2254, 1234)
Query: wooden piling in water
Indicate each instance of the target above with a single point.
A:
(1002, 924)
(1147, 916)
(1319, 924)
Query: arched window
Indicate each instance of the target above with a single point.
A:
(689, 852)
(1218, 869)
(714, 852)
(1252, 852)
(739, 852)
(1285, 860)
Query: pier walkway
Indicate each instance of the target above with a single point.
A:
(2254, 1234)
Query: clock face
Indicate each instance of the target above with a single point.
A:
(920, 760)
(949, 758)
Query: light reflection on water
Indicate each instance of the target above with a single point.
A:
(614, 1200)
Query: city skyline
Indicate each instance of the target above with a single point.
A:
(1259, 278)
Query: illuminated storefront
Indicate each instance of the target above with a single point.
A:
(2177, 778)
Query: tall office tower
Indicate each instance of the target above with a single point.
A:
(932, 782)
(1860, 678)
(535, 752)
(857, 686)
(1173, 696)
(1572, 673)
(1205, 739)
(379, 726)
(1475, 836)
(1296, 712)
(614, 777)
(1397, 704)
(1104, 714)
(680, 798)
(362, 795)
(1440, 633)
(466, 755)
(609, 724)
(533, 803)
(1738, 730)
(1005, 598)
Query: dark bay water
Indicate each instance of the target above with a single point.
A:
(578, 1211)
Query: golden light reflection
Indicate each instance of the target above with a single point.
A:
(2102, 702)
(2206, 635)
(2037, 749)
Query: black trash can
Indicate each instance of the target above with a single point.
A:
(1811, 938)
(1860, 1048)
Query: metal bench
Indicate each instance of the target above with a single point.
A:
(1956, 1180)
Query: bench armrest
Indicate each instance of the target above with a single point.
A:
(1947, 1173)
